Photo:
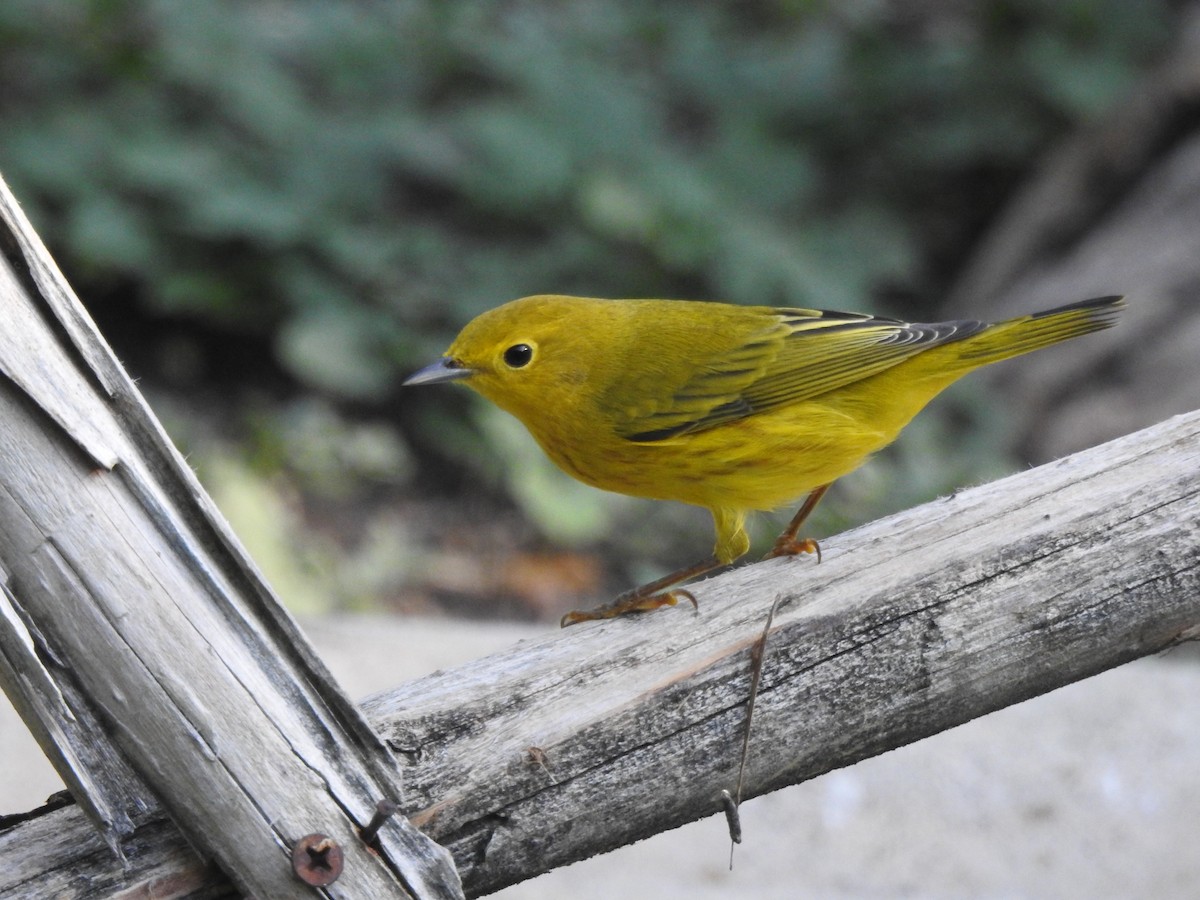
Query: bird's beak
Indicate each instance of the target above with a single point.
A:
(445, 369)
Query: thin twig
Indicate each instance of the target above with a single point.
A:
(757, 652)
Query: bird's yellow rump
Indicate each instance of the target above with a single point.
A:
(733, 408)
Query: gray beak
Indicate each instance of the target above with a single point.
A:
(445, 369)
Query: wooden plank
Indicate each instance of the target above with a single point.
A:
(166, 671)
(909, 626)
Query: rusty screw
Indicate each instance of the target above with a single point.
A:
(317, 859)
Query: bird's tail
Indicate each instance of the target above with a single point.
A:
(1037, 330)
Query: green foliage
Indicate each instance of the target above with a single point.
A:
(353, 180)
(350, 182)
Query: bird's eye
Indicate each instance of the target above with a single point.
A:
(518, 356)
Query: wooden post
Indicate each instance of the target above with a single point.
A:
(137, 638)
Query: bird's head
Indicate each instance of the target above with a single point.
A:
(527, 356)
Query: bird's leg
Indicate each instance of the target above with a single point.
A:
(662, 592)
(787, 544)
(656, 594)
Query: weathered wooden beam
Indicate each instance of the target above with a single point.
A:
(594, 737)
(157, 664)
(586, 741)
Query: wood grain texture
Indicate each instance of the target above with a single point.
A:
(910, 626)
(160, 669)
(590, 738)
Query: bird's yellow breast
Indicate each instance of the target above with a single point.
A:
(757, 463)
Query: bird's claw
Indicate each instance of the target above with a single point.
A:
(632, 602)
(789, 546)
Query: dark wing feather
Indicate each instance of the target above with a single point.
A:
(799, 355)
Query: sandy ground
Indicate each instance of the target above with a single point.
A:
(1091, 792)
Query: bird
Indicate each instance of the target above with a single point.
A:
(728, 407)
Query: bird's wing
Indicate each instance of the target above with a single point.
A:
(799, 355)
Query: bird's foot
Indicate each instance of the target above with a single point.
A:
(634, 601)
(790, 546)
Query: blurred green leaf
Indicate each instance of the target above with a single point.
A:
(341, 186)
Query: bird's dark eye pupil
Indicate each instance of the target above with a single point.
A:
(518, 355)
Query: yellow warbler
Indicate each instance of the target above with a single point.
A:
(733, 408)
